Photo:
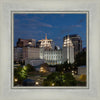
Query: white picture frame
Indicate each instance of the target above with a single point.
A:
(93, 90)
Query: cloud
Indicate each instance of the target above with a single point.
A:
(30, 22)
(44, 25)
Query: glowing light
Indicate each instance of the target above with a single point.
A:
(53, 84)
(41, 69)
(72, 71)
(15, 79)
(37, 83)
(75, 72)
(29, 42)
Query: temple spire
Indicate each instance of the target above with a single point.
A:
(45, 36)
(68, 35)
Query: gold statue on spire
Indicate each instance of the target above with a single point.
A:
(46, 36)
(68, 35)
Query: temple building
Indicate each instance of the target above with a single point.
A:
(58, 56)
(49, 53)
(51, 56)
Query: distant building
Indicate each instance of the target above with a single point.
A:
(68, 50)
(38, 44)
(34, 62)
(77, 43)
(84, 49)
(82, 70)
(18, 55)
(26, 43)
(46, 43)
(31, 53)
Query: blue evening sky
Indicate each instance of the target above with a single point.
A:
(34, 26)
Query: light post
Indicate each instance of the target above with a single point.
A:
(16, 80)
(53, 84)
(36, 83)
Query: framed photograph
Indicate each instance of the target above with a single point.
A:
(49, 50)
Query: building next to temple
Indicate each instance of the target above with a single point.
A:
(31, 53)
(26, 42)
(47, 53)
(31, 56)
(18, 54)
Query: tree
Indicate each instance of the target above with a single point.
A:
(82, 78)
(66, 67)
(20, 74)
(80, 58)
(59, 68)
(59, 79)
(30, 68)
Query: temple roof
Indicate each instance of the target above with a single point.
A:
(67, 42)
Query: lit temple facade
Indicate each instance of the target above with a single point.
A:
(68, 50)
(77, 43)
(53, 57)
(46, 43)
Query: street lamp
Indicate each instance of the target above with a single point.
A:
(72, 72)
(36, 83)
(53, 84)
(15, 79)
